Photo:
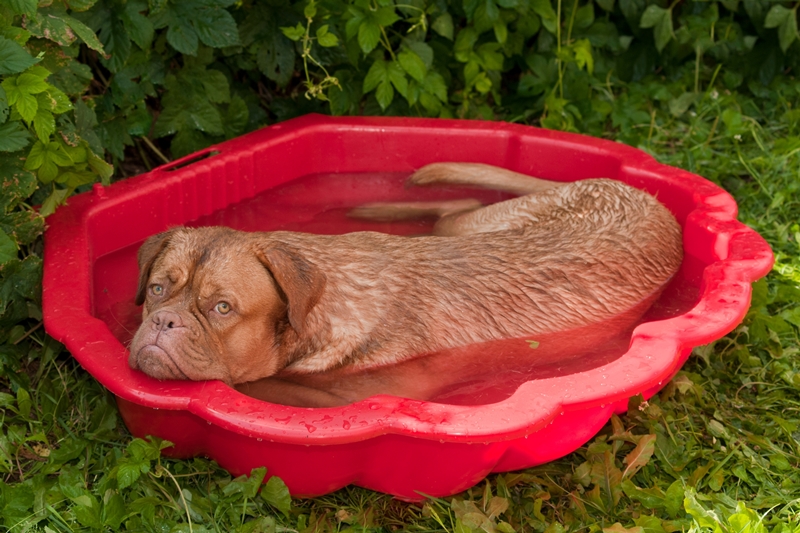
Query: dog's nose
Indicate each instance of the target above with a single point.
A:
(164, 320)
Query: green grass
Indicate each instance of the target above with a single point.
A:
(717, 449)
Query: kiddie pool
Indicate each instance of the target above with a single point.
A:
(390, 444)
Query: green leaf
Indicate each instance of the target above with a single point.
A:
(216, 85)
(777, 15)
(294, 33)
(13, 58)
(386, 16)
(24, 7)
(544, 9)
(787, 32)
(325, 38)
(44, 123)
(377, 73)
(369, 34)
(182, 37)
(398, 78)
(607, 5)
(13, 137)
(138, 26)
(277, 495)
(128, 472)
(113, 512)
(275, 59)
(443, 25)
(3, 105)
(215, 26)
(27, 106)
(84, 32)
(652, 16)
(583, 55)
(8, 249)
(412, 64)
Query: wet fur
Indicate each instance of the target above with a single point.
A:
(560, 257)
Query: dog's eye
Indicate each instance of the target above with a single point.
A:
(157, 290)
(223, 308)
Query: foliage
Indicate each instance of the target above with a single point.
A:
(96, 90)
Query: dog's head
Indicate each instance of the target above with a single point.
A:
(217, 304)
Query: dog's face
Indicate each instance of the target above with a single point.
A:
(216, 305)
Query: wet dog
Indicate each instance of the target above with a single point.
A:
(240, 307)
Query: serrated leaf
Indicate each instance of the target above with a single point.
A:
(583, 55)
(24, 7)
(44, 123)
(275, 58)
(84, 32)
(397, 77)
(376, 74)
(294, 33)
(138, 26)
(14, 58)
(215, 27)
(216, 85)
(325, 38)
(8, 249)
(13, 137)
(369, 34)
(182, 37)
(277, 495)
(127, 473)
(384, 94)
(56, 198)
(412, 64)
(27, 106)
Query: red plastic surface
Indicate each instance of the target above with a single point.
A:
(385, 443)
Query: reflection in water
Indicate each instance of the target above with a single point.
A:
(470, 375)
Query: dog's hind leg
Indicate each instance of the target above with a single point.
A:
(391, 211)
(482, 176)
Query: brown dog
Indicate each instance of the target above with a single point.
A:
(239, 307)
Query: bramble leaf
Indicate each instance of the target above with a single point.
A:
(13, 57)
(325, 38)
(13, 137)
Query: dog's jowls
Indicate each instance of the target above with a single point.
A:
(239, 307)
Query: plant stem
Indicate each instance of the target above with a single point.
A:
(155, 149)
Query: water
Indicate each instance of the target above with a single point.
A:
(471, 375)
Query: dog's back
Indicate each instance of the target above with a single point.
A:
(565, 256)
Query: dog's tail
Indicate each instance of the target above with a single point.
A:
(482, 176)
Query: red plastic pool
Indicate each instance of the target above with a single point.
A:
(303, 175)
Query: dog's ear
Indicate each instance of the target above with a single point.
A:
(149, 251)
(301, 281)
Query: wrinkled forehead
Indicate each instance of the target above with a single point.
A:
(211, 261)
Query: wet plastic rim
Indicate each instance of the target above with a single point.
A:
(725, 297)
